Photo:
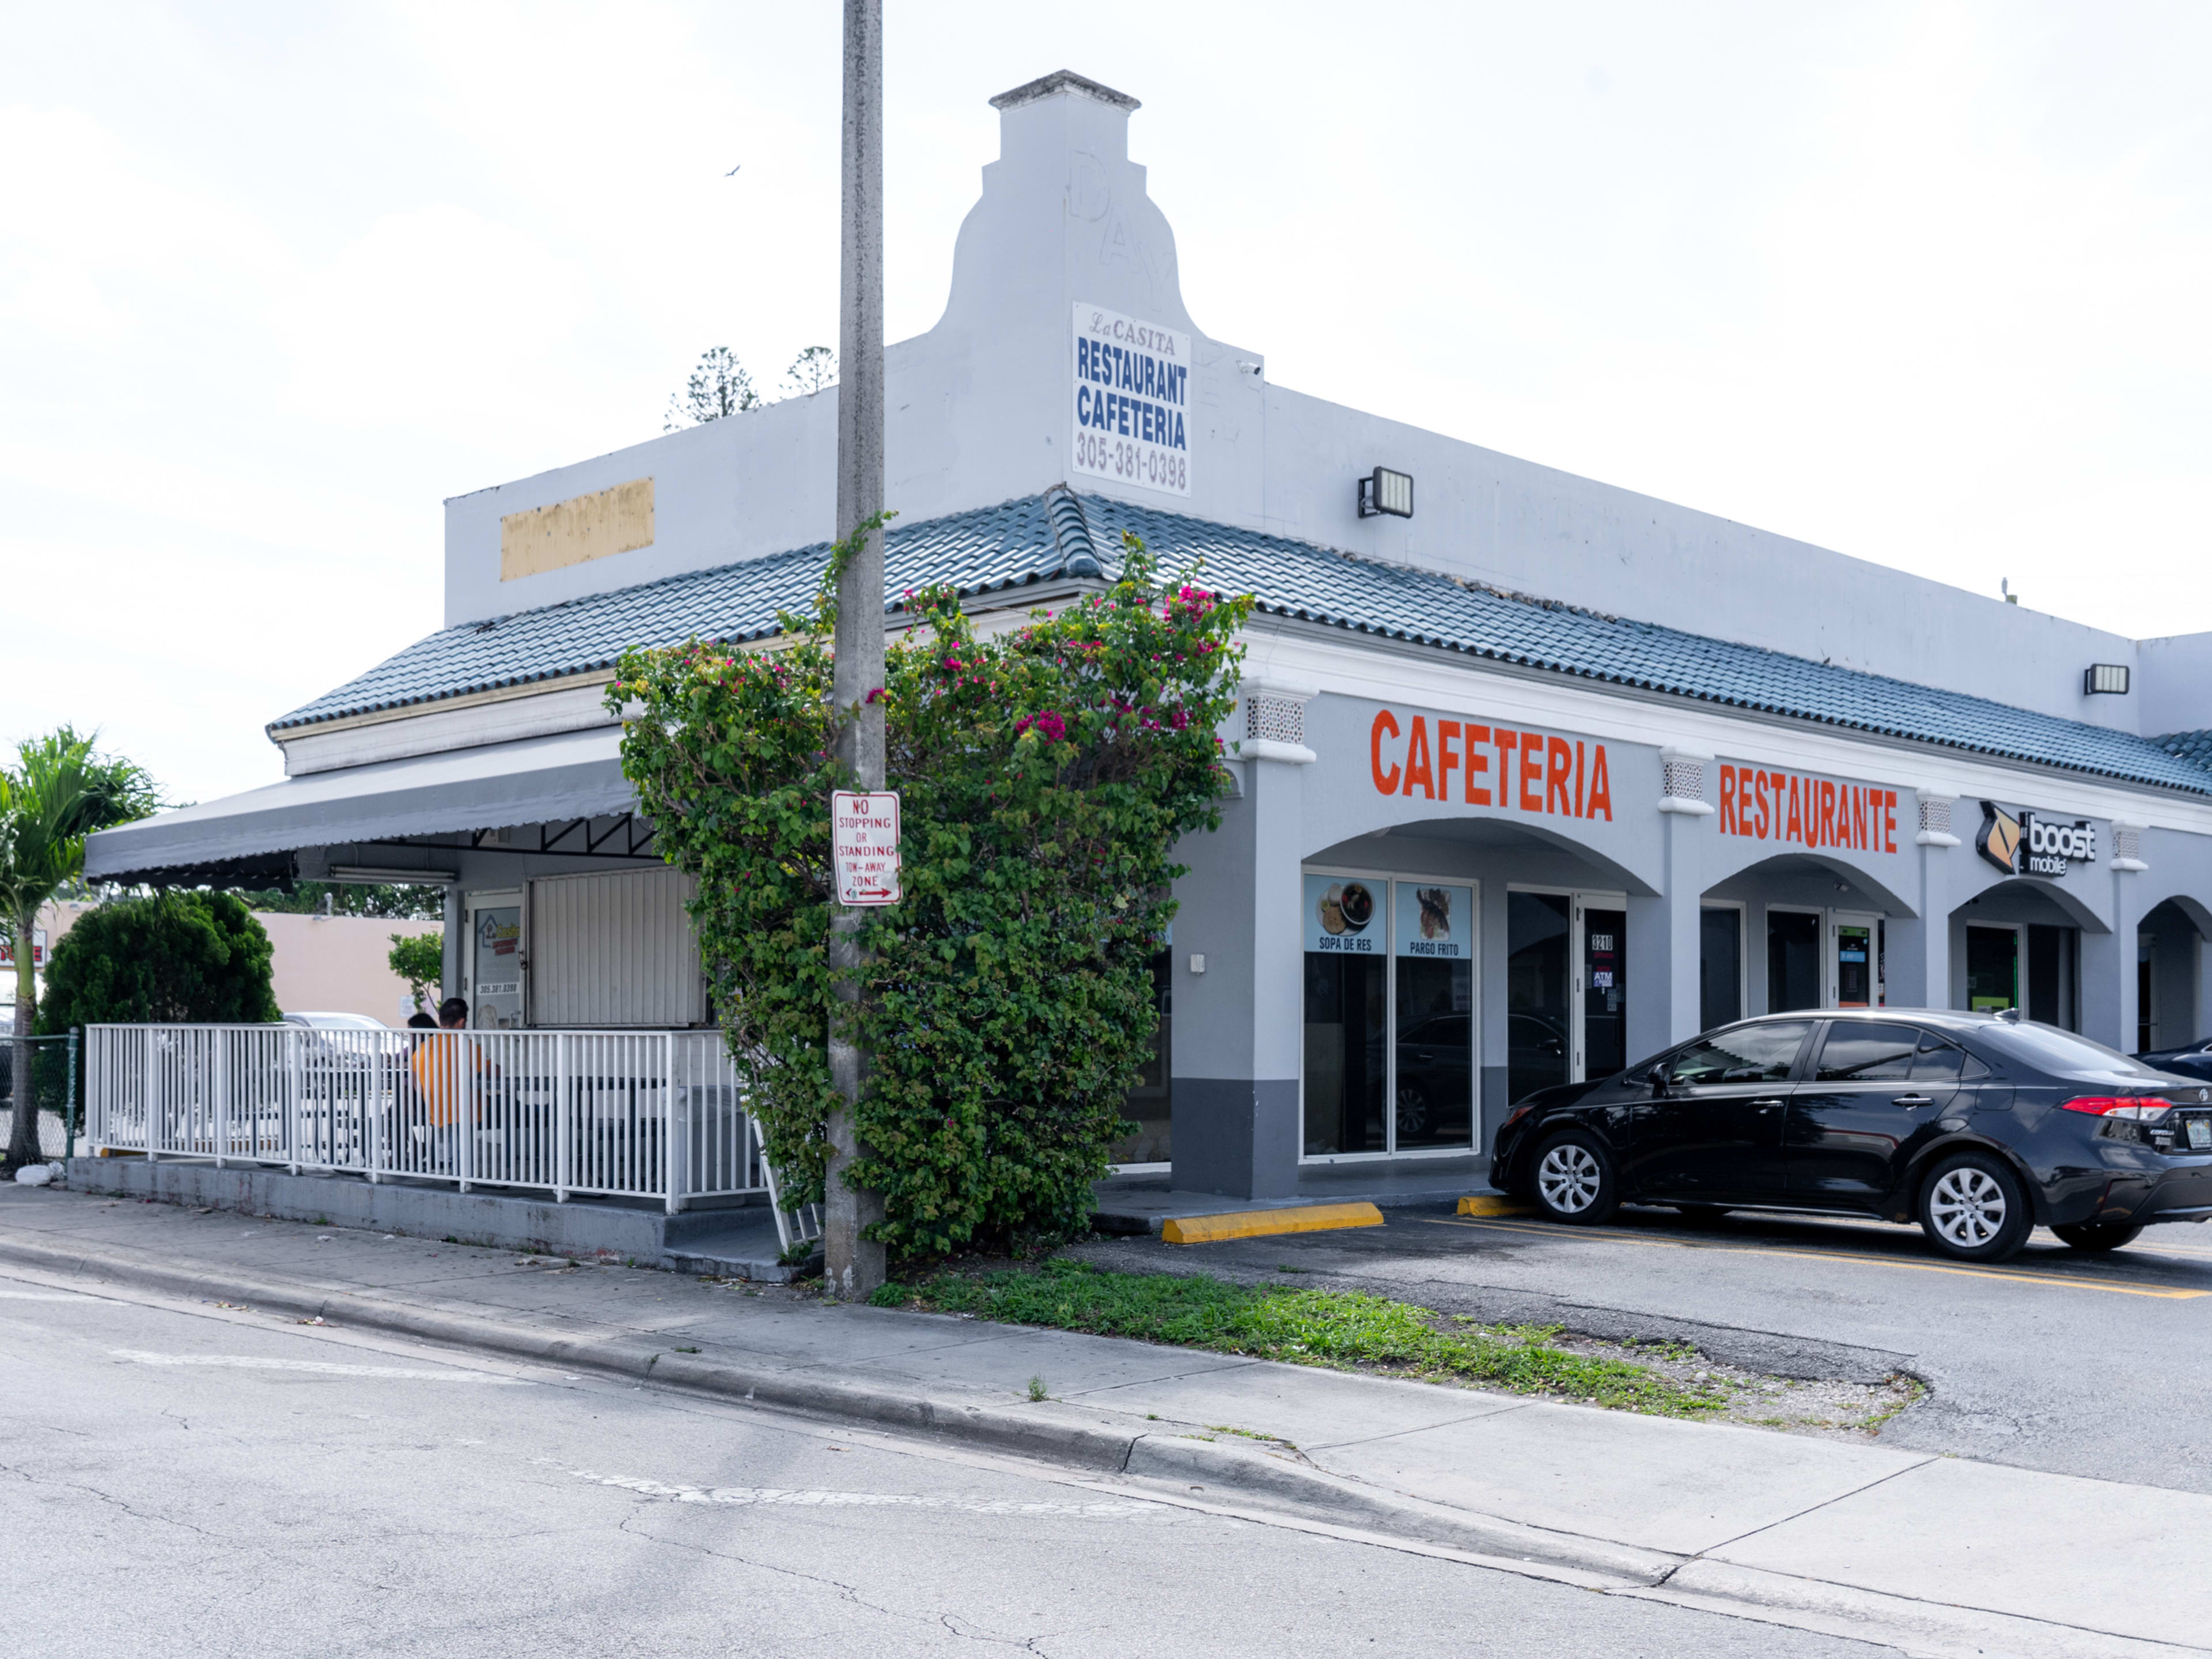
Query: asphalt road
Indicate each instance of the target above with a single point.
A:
(189, 1478)
(2098, 1366)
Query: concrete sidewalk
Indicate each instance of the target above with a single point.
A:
(1933, 1555)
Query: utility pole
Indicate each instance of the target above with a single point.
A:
(854, 1265)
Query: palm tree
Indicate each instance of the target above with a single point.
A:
(59, 792)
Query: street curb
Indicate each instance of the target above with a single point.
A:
(1184, 1459)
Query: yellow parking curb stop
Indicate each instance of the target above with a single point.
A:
(1493, 1204)
(1260, 1223)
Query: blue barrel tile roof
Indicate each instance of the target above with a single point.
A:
(1020, 542)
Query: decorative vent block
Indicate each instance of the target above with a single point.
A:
(2127, 841)
(1684, 779)
(1936, 817)
(1274, 719)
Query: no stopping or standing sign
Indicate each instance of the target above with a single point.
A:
(864, 845)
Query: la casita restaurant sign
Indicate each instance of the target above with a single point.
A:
(1132, 400)
(1535, 772)
(2021, 844)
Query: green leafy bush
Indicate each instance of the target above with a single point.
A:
(1045, 775)
(177, 958)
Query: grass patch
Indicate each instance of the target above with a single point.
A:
(1342, 1330)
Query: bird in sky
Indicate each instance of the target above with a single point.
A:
(732, 173)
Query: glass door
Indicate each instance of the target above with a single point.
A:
(1855, 962)
(1720, 967)
(1539, 1007)
(492, 960)
(1992, 968)
(1601, 986)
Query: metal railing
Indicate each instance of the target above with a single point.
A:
(655, 1114)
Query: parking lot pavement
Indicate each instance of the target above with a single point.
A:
(2095, 1366)
(207, 1480)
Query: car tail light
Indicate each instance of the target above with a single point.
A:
(1517, 1114)
(2135, 1106)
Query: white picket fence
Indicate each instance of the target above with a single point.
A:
(654, 1114)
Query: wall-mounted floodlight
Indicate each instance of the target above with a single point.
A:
(1386, 492)
(2108, 678)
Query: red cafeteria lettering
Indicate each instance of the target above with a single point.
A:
(1566, 780)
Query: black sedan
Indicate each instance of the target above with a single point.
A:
(1977, 1125)
(2193, 1061)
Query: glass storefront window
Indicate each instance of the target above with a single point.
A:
(2051, 975)
(1389, 1015)
(1435, 967)
(1720, 967)
(1151, 1105)
(1793, 960)
(1537, 1017)
(1347, 949)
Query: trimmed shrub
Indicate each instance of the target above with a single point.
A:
(176, 958)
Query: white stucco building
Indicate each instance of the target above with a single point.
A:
(1531, 780)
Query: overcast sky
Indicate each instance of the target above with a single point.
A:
(1926, 284)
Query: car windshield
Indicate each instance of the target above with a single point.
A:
(2049, 1049)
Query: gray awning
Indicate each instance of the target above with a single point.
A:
(569, 776)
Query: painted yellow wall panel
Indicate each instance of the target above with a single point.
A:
(616, 520)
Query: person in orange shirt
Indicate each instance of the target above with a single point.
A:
(436, 1065)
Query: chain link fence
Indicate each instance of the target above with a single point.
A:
(57, 1088)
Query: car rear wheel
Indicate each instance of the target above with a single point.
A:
(2097, 1236)
(1572, 1179)
(1973, 1207)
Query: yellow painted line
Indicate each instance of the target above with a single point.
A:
(1493, 1204)
(2117, 1287)
(1261, 1223)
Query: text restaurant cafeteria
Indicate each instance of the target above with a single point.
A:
(1530, 775)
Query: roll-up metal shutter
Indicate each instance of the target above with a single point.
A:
(614, 950)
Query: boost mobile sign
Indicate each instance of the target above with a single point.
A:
(2021, 844)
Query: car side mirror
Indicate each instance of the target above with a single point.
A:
(1656, 1077)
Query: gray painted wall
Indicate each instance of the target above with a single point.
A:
(1237, 1057)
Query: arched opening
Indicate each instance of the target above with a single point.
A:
(2017, 943)
(1451, 965)
(1799, 930)
(2170, 975)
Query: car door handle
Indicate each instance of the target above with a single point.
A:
(1765, 1105)
(1914, 1100)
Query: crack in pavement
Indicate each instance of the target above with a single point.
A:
(848, 1592)
(122, 1504)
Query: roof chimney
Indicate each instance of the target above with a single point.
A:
(1062, 81)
